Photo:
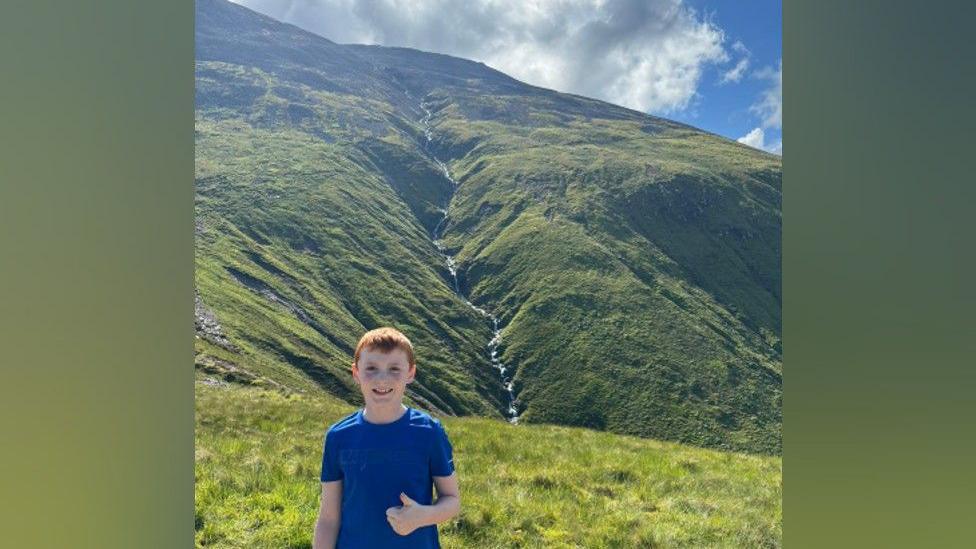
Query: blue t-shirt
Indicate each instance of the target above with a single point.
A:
(375, 462)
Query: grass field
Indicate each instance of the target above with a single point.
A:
(258, 455)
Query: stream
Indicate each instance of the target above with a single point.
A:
(496, 339)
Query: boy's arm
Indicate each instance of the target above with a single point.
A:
(448, 502)
(327, 525)
(412, 515)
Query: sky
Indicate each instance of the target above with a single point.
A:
(714, 65)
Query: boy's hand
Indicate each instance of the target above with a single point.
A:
(407, 517)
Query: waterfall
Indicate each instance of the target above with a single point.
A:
(496, 339)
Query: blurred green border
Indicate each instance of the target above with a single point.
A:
(878, 275)
(96, 169)
(96, 225)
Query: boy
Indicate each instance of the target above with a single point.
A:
(379, 462)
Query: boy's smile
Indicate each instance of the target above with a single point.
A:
(383, 378)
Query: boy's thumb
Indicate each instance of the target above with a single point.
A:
(406, 499)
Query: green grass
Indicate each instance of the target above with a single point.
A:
(258, 455)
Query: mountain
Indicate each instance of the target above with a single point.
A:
(623, 269)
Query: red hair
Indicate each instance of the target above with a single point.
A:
(384, 340)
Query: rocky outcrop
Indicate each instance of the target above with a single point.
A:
(207, 327)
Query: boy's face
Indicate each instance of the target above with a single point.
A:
(383, 377)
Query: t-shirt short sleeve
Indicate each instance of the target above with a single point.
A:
(441, 456)
(330, 460)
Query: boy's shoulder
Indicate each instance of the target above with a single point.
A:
(412, 419)
(423, 420)
(345, 424)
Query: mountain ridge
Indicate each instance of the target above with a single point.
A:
(579, 223)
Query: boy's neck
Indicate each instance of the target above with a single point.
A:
(374, 414)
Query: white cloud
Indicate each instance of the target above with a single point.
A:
(735, 73)
(753, 139)
(769, 109)
(770, 104)
(757, 140)
(738, 71)
(644, 54)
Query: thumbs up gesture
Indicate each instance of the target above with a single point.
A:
(407, 517)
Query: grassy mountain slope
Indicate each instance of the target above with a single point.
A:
(633, 262)
(258, 457)
(303, 241)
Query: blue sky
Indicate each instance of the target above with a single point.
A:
(714, 65)
(735, 109)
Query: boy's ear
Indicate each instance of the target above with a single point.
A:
(355, 372)
(411, 373)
